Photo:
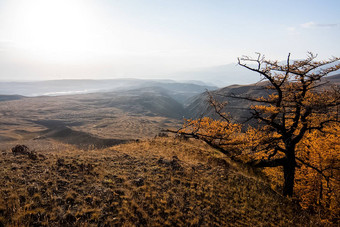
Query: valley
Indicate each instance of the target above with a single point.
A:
(104, 119)
(86, 120)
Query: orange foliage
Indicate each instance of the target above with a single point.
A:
(223, 134)
(317, 181)
(297, 134)
(319, 190)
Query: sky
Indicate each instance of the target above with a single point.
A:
(104, 39)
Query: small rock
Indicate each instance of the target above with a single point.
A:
(24, 150)
(20, 149)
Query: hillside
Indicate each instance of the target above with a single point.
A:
(86, 120)
(238, 109)
(198, 106)
(159, 182)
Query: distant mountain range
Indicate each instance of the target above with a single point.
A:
(180, 91)
(146, 97)
(220, 76)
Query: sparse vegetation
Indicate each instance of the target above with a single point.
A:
(159, 182)
(88, 120)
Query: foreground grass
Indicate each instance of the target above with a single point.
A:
(160, 182)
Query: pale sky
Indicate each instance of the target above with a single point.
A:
(102, 39)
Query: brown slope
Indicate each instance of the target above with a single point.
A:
(162, 182)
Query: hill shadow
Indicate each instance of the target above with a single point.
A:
(61, 131)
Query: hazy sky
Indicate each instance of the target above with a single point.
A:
(58, 39)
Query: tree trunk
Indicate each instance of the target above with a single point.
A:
(289, 175)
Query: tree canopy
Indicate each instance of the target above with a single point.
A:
(299, 112)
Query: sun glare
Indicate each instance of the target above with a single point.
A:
(57, 29)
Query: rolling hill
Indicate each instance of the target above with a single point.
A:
(98, 119)
(158, 182)
(198, 106)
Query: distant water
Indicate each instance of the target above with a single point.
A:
(57, 93)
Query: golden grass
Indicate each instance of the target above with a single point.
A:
(158, 182)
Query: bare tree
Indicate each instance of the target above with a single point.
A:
(297, 104)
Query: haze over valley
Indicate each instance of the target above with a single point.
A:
(133, 109)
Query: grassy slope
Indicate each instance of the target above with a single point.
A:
(139, 184)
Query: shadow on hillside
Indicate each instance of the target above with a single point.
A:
(61, 131)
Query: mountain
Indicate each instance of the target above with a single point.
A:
(221, 76)
(239, 109)
(67, 87)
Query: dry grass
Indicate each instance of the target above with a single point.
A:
(102, 116)
(159, 182)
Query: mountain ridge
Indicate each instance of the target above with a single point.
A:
(239, 109)
(66, 87)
